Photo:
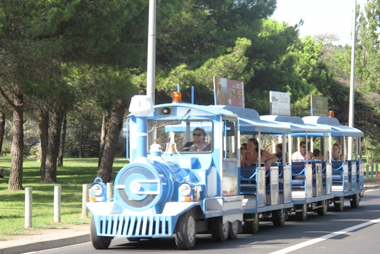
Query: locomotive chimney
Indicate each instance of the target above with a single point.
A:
(141, 106)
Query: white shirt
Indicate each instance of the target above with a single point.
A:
(298, 156)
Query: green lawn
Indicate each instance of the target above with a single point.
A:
(71, 177)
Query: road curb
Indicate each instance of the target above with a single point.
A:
(45, 245)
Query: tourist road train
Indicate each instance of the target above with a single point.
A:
(172, 188)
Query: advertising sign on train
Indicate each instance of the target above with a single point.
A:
(279, 103)
(229, 92)
(319, 105)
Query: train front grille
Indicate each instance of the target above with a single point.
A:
(133, 225)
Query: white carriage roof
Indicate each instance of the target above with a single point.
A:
(297, 125)
(333, 123)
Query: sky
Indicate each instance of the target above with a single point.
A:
(319, 16)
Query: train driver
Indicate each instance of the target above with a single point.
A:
(199, 144)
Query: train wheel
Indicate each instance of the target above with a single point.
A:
(219, 230)
(302, 216)
(99, 242)
(185, 234)
(234, 230)
(339, 204)
(355, 201)
(278, 218)
(251, 226)
(322, 211)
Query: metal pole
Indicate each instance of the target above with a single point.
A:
(151, 66)
(28, 207)
(57, 204)
(351, 107)
(367, 172)
(109, 192)
(84, 200)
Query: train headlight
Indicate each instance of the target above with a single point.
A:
(185, 189)
(96, 189)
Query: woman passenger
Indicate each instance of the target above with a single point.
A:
(253, 155)
(278, 153)
(336, 156)
(243, 154)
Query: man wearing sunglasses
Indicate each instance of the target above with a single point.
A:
(199, 144)
(301, 153)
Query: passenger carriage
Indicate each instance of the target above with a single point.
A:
(266, 194)
(347, 174)
(311, 179)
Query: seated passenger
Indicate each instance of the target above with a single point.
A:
(317, 155)
(336, 156)
(278, 153)
(253, 155)
(243, 154)
(199, 144)
(301, 153)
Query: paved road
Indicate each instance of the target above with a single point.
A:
(351, 231)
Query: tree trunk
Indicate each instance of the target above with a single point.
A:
(15, 178)
(54, 140)
(2, 130)
(106, 118)
(43, 124)
(62, 145)
(114, 127)
(81, 141)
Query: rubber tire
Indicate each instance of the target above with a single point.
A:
(99, 242)
(355, 201)
(233, 230)
(252, 227)
(302, 216)
(323, 210)
(339, 207)
(278, 217)
(185, 235)
(219, 231)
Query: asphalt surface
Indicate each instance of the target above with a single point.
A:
(54, 240)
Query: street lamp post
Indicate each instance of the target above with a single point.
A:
(151, 65)
(351, 102)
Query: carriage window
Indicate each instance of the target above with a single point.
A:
(188, 136)
(230, 135)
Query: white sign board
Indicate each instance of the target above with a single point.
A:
(319, 105)
(279, 103)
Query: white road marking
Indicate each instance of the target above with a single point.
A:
(325, 237)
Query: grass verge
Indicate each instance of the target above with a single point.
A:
(71, 177)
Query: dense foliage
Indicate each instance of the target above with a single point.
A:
(82, 61)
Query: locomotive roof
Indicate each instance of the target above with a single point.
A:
(250, 122)
(211, 109)
(249, 119)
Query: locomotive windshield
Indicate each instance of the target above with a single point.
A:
(189, 136)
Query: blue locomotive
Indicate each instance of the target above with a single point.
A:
(185, 176)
